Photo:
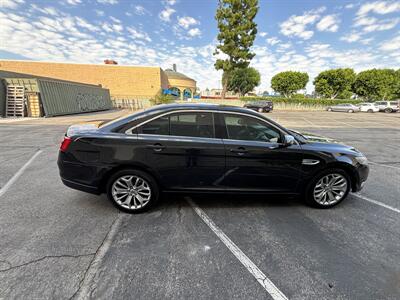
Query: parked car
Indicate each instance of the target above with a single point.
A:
(368, 107)
(388, 106)
(345, 107)
(205, 148)
(260, 106)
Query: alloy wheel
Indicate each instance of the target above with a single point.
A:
(131, 192)
(330, 189)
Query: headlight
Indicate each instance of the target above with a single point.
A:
(362, 160)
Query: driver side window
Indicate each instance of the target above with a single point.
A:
(246, 128)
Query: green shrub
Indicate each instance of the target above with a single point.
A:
(302, 101)
(162, 99)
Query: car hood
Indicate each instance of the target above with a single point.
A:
(327, 144)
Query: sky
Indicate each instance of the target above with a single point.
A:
(299, 35)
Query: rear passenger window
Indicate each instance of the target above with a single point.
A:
(192, 124)
(158, 126)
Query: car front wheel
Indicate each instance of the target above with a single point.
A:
(350, 111)
(260, 110)
(328, 188)
(132, 191)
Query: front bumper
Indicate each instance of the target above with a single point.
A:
(362, 173)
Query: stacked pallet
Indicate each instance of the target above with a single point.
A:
(33, 105)
(15, 101)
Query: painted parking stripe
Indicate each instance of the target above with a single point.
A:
(265, 282)
(377, 202)
(13, 179)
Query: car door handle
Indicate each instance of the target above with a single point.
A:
(156, 147)
(239, 151)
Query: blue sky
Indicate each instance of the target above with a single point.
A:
(303, 35)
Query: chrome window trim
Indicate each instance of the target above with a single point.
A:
(129, 131)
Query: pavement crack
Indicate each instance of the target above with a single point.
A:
(95, 260)
(11, 267)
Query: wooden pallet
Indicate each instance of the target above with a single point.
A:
(33, 105)
(15, 101)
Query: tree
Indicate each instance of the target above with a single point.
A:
(376, 84)
(237, 31)
(335, 83)
(289, 82)
(243, 80)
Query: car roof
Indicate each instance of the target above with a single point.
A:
(165, 108)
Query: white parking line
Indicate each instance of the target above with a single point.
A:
(4, 189)
(377, 202)
(385, 166)
(309, 122)
(85, 287)
(265, 282)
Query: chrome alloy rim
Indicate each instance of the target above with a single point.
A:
(330, 189)
(131, 192)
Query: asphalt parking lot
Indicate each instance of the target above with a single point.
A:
(58, 243)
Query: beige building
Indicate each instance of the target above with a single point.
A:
(124, 82)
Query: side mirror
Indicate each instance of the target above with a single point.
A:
(289, 140)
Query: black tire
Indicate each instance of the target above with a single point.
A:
(150, 181)
(350, 111)
(260, 110)
(388, 110)
(309, 193)
(329, 109)
(370, 111)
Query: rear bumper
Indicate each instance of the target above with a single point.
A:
(81, 187)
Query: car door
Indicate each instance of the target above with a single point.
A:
(182, 149)
(256, 159)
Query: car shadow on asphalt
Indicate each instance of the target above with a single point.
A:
(236, 201)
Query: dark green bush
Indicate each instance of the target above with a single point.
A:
(303, 101)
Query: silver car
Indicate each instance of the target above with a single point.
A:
(345, 107)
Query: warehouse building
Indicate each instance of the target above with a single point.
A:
(124, 82)
(27, 95)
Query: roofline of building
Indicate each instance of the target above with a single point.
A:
(75, 63)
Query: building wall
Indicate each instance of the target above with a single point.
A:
(124, 82)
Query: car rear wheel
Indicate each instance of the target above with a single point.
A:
(370, 111)
(329, 109)
(132, 191)
(328, 188)
(388, 110)
(260, 110)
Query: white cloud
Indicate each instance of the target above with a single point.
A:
(382, 25)
(391, 45)
(194, 32)
(99, 12)
(379, 7)
(10, 3)
(111, 2)
(170, 2)
(297, 25)
(351, 37)
(328, 23)
(349, 6)
(136, 34)
(263, 34)
(186, 22)
(165, 15)
(370, 23)
(273, 40)
(140, 10)
(74, 2)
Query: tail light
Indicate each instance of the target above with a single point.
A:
(65, 144)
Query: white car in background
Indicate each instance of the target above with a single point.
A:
(388, 106)
(368, 107)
